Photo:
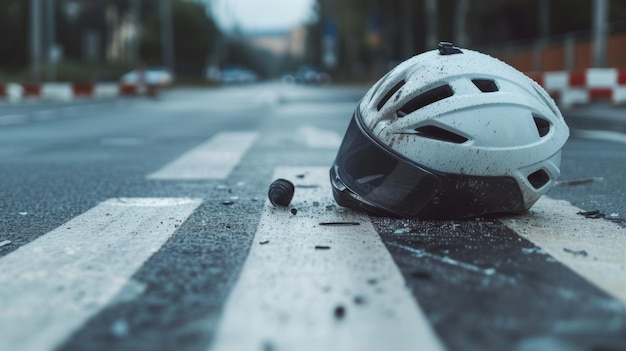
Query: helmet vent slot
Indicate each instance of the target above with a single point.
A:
(485, 85)
(543, 126)
(389, 94)
(542, 95)
(426, 98)
(539, 179)
(437, 133)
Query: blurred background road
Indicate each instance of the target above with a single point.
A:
(138, 140)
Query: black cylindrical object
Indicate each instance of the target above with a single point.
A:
(281, 192)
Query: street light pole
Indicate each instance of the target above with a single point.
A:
(544, 33)
(134, 8)
(408, 25)
(52, 49)
(600, 19)
(461, 38)
(35, 38)
(167, 34)
(430, 9)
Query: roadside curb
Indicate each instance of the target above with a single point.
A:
(569, 88)
(15, 92)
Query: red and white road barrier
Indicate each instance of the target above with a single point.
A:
(582, 87)
(70, 91)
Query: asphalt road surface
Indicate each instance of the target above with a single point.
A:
(143, 224)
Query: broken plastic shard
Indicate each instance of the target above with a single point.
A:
(576, 252)
(5, 242)
(340, 312)
(228, 202)
(592, 214)
(22, 213)
(281, 192)
(574, 181)
(339, 223)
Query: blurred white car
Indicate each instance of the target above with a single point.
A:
(237, 75)
(152, 76)
(307, 75)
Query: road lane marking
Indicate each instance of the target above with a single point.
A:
(306, 286)
(593, 248)
(53, 285)
(13, 119)
(214, 159)
(317, 138)
(601, 135)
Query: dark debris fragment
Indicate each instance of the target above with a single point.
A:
(267, 346)
(228, 202)
(294, 211)
(340, 312)
(339, 223)
(264, 242)
(281, 192)
(592, 214)
(359, 300)
(576, 252)
(322, 247)
(571, 182)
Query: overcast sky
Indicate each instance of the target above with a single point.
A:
(260, 15)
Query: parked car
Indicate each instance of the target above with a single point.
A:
(159, 76)
(311, 75)
(237, 75)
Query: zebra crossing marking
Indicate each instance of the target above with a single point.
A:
(13, 119)
(306, 286)
(214, 159)
(53, 285)
(593, 248)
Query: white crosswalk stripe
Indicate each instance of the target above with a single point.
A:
(307, 286)
(304, 285)
(214, 159)
(595, 249)
(51, 286)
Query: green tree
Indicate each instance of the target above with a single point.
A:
(195, 36)
(14, 32)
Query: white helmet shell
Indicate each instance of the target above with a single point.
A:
(460, 112)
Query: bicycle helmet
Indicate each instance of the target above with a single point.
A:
(450, 133)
